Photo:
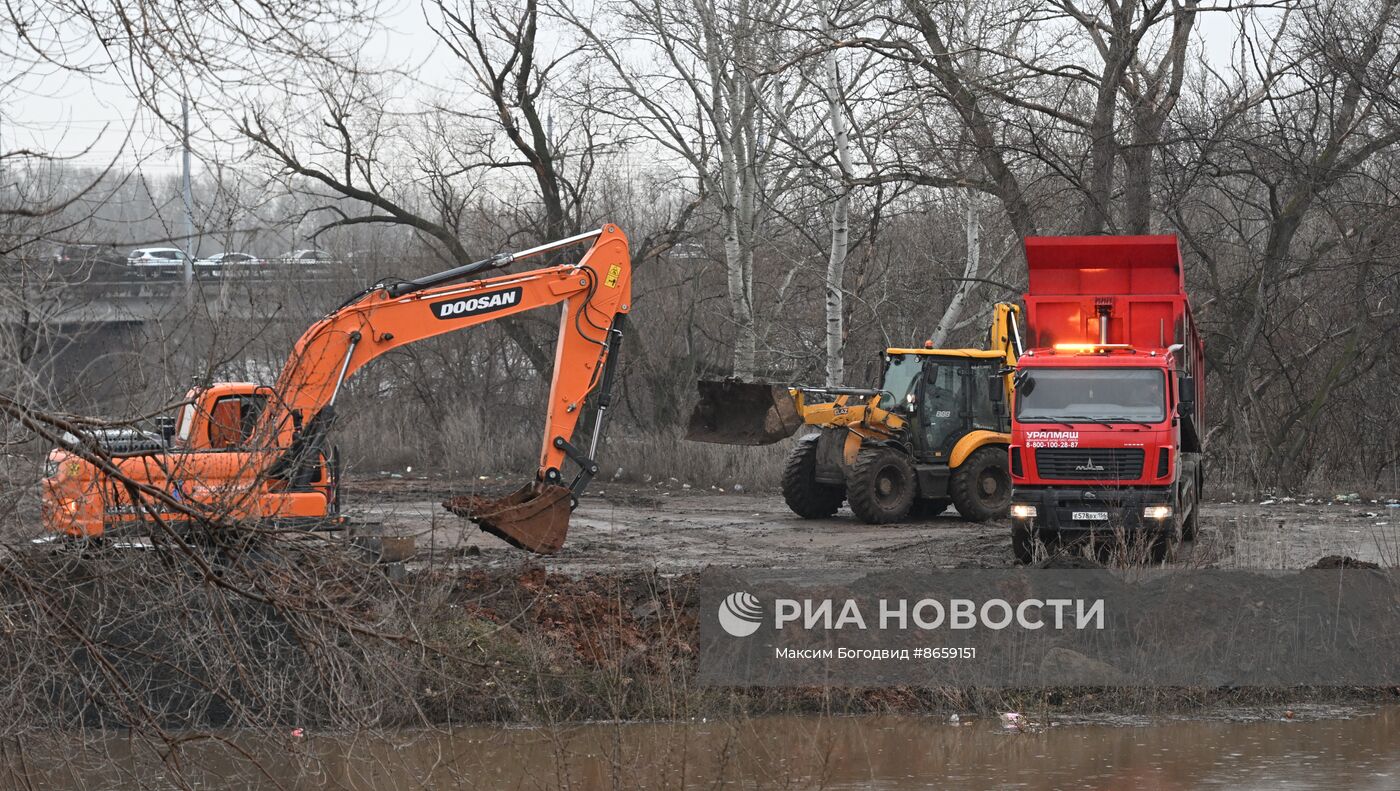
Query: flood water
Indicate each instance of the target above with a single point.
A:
(1362, 752)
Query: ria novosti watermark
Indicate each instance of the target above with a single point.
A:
(1048, 627)
(741, 614)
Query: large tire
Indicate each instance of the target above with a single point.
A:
(1165, 543)
(981, 485)
(805, 495)
(1191, 526)
(881, 486)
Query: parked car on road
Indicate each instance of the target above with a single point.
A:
(307, 258)
(87, 260)
(157, 261)
(229, 263)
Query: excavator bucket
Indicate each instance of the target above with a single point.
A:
(534, 517)
(731, 412)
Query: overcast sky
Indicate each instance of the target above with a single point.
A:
(87, 118)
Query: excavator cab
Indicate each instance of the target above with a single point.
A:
(219, 417)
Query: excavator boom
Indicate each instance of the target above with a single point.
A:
(273, 471)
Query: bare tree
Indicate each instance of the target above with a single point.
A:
(716, 57)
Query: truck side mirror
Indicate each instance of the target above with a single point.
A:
(996, 389)
(1024, 382)
(1187, 393)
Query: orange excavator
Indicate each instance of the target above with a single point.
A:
(243, 453)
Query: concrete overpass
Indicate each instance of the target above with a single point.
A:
(129, 299)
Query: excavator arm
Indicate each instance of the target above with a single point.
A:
(595, 295)
(1005, 334)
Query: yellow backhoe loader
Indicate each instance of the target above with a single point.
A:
(935, 432)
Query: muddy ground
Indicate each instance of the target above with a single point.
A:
(673, 529)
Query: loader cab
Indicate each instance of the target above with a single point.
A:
(945, 394)
(219, 417)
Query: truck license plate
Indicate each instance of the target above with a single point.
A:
(1090, 516)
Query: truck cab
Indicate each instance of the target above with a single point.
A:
(1107, 407)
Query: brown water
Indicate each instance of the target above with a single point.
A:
(1362, 752)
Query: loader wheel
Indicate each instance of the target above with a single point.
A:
(805, 495)
(981, 485)
(929, 507)
(881, 486)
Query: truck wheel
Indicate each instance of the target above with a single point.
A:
(881, 486)
(807, 497)
(1022, 544)
(1163, 548)
(981, 485)
(1191, 526)
(1166, 541)
(929, 507)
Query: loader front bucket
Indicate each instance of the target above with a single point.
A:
(731, 412)
(534, 517)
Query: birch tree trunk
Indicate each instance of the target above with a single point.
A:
(731, 107)
(840, 229)
(970, 268)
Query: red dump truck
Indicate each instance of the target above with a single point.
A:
(1107, 420)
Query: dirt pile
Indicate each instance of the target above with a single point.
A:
(601, 620)
(1343, 562)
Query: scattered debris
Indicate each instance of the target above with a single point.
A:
(1015, 721)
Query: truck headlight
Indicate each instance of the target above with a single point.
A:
(1022, 511)
(1157, 512)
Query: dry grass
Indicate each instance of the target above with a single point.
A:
(663, 456)
(469, 442)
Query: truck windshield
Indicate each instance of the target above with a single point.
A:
(1134, 395)
(900, 378)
